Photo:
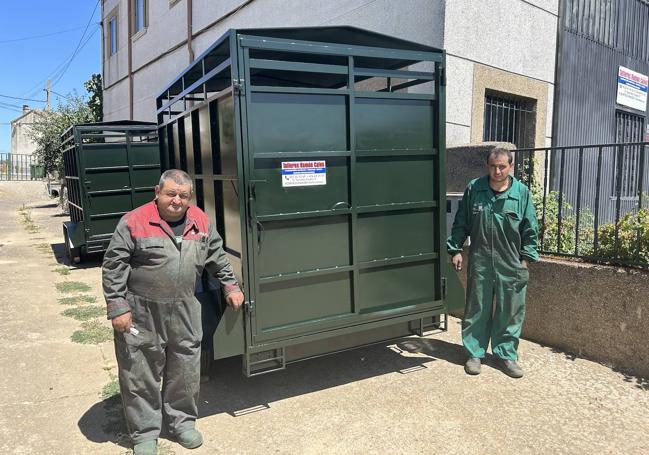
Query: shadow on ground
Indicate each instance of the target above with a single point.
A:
(228, 391)
(88, 261)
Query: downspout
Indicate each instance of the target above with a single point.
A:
(190, 27)
(129, 25)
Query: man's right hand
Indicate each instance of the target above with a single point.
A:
(456, 260)
(122, 323)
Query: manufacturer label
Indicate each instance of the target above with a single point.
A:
(304, 173)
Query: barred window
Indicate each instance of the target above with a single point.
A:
(629, 128)
(509, 118)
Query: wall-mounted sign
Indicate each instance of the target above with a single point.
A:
(632, 89)
(304, 173)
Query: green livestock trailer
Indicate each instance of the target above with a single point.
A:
(110, 168)
(319, 153)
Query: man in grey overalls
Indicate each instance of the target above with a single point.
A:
(150, 270)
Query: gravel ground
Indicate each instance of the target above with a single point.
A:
(407, 397)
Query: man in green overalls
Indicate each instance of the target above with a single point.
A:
(498, 215)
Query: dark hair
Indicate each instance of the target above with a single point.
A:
(499, 151)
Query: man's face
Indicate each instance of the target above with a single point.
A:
(499, 168)
(173, 200)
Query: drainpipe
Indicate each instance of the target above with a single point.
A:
(190, 32)
(129, 25)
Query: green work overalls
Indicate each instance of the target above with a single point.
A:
(503, 230)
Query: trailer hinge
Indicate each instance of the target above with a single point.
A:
(443, 287)
(249, 305)
(237, 85)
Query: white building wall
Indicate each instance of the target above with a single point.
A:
(21, 143)
(516, 36)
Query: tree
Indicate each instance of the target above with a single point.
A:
(46, 132)
(96, 101)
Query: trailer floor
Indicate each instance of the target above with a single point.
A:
(408, 397)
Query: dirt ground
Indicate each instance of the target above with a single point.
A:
(58, 395)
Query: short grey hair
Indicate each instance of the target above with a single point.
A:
(499, 151)
(177, 176)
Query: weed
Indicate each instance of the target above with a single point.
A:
(26, 220)
(110, 390)
(72, 286)
(62, 270)
(93, 332)
(78, 300)
(84, 313)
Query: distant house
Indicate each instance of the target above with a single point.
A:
(21, 143)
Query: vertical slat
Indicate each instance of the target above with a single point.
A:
(618, 198)
(597, 194)
(578, 205)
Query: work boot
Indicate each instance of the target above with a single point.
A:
(511, 368)
(146, 448)
(472, 366)
(190, 439)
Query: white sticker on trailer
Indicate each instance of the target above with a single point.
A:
(304, 173)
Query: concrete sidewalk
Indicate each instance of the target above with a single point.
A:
(407, 397)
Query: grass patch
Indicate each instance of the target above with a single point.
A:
(78, 300)
(84, 313)
(92, 332)
(26, 220)
(72, 286)
(62, 270)
(110, 390)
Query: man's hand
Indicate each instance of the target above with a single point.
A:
(122, 323)
(234, 299)
(456, 260)
(524, 263)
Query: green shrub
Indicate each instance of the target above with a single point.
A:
(633, 238)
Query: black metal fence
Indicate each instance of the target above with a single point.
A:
(19, 167)
(592, 201)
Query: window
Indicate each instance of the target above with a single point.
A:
(140, 8)
(629, 128)
(509, 118)
(112, 35)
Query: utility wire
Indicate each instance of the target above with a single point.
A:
(61, 95)
(74, 54)
(23, 99)
(65, 63)
(40, 36)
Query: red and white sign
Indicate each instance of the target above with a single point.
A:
(632, 89)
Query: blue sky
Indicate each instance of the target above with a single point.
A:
(28, 59)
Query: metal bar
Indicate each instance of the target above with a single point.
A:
(421, 257)
(598, 187)
(300, 215)
(304, 274)
(396, 152)
(396, 206)
(314, 47)
(392, 88)
(585, 146)
(618, 202)
(371, 72)
(546, 173)
(560, 210)
(578, 210)
(297, 66)
(351, 184)
(299, 155)
(222, 67)
(640, 189)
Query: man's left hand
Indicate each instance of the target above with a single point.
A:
(524, 263)
(234, 299)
